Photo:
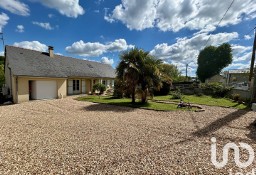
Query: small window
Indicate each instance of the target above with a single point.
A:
(104, 82)
(75, 85)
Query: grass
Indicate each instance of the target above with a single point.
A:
(127, 102)
(204, 100)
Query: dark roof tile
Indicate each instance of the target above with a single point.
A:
(27, 62)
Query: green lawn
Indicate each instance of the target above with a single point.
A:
(204, 100)
(127, 102)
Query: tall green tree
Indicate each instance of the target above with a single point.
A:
(1, 75)
(138, 69)
(212, 60)
(1, 59)
(150, 77)
(170, 70)
(1, 71)
(128, 70)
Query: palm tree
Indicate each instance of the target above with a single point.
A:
(139, 69)
(150, 77)
(128, 70)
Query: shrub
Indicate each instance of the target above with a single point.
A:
(235, 97)
(99, 87)
(164, 90)
(120, 90)
(199, 94)
(215, 89)
(176, 94)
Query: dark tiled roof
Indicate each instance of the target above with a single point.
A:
(27, 62)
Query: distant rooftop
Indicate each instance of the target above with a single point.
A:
(238, 71)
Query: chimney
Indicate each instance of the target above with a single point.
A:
(51, 52)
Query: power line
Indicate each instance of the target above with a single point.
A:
(249, 31)
(221, 20)
(2, 38)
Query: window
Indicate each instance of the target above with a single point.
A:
(104, 82)
(75, 85)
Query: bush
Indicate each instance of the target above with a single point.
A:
(215, 89)
(165, 89)
(119, 89)
(99, 87)
(235, 97)
(199, 94)
(176, 94)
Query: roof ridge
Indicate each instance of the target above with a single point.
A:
(25, 48)
(59, 55)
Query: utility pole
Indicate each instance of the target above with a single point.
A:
(253, 57)
(252, 73)
(2, 38)
(186, 72)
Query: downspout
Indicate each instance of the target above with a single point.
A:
(16, 82)
(10, 70)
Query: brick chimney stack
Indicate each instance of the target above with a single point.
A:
(51, 51)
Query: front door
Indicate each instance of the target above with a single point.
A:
(73, 87)
(70, 87)
(83, 87)
(76, 86)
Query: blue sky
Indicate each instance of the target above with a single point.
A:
(172, 30)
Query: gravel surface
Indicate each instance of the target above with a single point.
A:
(71, 137)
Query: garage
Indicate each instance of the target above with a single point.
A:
(42, 90)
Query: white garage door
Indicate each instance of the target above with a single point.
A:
(44, 90)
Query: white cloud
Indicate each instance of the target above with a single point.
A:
(98, 2)
(3, 21)
(247, 37)
(174, 15)
(20, 28)
(244, 57)
(45, 25)
(186, 50)
(106, 60)
(96, 49)
(2, 53)
(69, 8)
(238, 50)
(50, 15)
(15, 6)
(90, 60)
(33, 45)
(245, 65)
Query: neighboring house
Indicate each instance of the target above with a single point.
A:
(238, 79)
(32, 75)
(216, 79)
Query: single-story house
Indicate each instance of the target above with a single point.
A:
(238, 78)
(216, 79)
(33, 75)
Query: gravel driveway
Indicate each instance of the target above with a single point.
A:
(71, 137)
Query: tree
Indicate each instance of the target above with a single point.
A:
(138, 70)
(1, 60)
(1, 71)
(1, 75)
(170, 71)
(128, 70)
(150, 77)
(212, 60)
(99, 87)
